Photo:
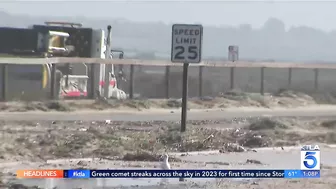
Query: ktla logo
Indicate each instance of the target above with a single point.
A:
(310, 157)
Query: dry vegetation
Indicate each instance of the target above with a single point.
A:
(39, 141)
(234, 98)
(120, 140)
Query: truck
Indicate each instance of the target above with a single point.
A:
(58, 39)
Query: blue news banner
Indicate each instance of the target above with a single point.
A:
(114, 173)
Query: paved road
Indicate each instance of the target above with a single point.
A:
(168, 115)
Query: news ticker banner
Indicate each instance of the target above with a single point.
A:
(113, 173)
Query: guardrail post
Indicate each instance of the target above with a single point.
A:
(232, 76)
(92, 82)
(316, 70)
(289, 84)
(167, 76)
(200, 81)
(131, 90)
(262, 92)
(4, 82)
(53, 82)
(106, 87)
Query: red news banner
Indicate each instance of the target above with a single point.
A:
(40, 174)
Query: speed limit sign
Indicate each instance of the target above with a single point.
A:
(186, 43)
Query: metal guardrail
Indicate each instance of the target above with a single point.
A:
(240, 64)
(92, 84)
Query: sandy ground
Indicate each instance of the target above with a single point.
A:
(32, 144)
(90, 143)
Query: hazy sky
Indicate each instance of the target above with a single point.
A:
(319, 14)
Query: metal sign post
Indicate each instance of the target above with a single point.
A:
(186, 48)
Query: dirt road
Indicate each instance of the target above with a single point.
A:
(172, 114)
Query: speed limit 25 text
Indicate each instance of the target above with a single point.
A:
(186, 41)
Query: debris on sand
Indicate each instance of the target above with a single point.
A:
(216, 163)
(82, 163)
(138, 104)
(266, 123)
(174, 103)
(252, 140)
(57, 105)
(330, 124)
(324, 98)
(18, 186)
(44, 106)
(234, 94)
(290, 93)
(118, 139)
(253, 161)
(145, 156)
(232, 147)
(140, 156)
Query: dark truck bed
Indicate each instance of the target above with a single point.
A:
(18, 40)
